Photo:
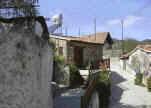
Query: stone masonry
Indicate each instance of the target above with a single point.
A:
(25, 68)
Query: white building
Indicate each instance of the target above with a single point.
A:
(138, 60)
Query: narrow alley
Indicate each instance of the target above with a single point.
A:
(124, 93)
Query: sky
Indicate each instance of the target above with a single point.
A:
(80, 14)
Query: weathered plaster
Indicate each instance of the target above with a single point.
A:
(25, 70)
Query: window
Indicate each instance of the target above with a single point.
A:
(60, 51)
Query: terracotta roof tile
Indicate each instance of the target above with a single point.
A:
(98, 39)
(144, 47)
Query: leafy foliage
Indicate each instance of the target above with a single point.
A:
(138, 79)
(75, 77)
(129, 44)
(104, 88)
(149, 84)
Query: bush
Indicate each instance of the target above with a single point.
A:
(59, 59)
(138, 79)
(75, 77)
(104, 88)
(149, 84)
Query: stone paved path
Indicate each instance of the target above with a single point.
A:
(124, 93)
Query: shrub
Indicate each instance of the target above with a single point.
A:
(149, 84)
(75, 77)
(104, 89)
(59, 59)
(138, 79)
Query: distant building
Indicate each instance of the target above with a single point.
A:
(104, 38)
(82, 50)
(138, 60)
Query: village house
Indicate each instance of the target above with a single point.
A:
(138, 60)
(81, 50)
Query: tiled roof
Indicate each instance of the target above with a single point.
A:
(62, 37)
(146, 48)
(99, 38)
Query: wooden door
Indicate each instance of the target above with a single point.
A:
(78, 56)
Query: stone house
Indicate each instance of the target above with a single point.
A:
(81, 50)
(104, 38)
(138, 60)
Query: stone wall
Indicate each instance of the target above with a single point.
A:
(25, 68)
(61, 74)
(61, 43)
(107, 50)
(92, 53)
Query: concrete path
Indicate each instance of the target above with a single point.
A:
(69, 99)
(124, 93)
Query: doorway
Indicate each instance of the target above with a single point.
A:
(78, 56)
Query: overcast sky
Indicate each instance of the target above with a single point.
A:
(108, 13)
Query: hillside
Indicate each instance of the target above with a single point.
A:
(129, 44)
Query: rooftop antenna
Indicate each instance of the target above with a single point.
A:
(57, 23)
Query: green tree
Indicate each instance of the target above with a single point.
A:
(130, 44)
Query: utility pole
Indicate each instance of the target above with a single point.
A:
(66, 31)
(79, 32)
(122, 22)
(61, 30)
(95, 28)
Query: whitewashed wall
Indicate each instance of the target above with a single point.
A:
(143, 61)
